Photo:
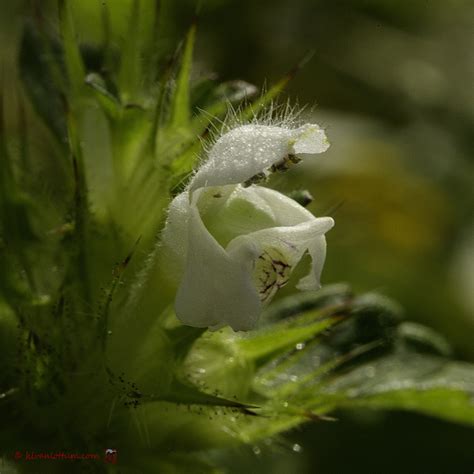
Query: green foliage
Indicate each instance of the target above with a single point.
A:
(403, 380)
(92, 354)
(180, 106)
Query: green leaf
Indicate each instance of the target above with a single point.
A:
(79, 269)
(130, 68)
(373, 317)
(110, 103)
(300, 370)
(268, 342)
(422, 339)
(72, 56)
(328, 295)
(183, 338)
(180, 101)
(110, 292)
(190, 395)
(405, 381)
(17, 233)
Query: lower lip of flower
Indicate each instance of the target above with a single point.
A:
(272, 272)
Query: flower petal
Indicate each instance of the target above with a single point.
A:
(215, 289)
(311, 139)
(242, 153)
(317, 251)
(279, 250)
(249, 150)
(286, 211)
(175, 234)
(229, 211)
(292, 241)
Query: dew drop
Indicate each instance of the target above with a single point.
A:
(297, 448)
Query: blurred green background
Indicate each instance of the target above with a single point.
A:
(391, 81)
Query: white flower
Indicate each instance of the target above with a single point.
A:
(235, 245)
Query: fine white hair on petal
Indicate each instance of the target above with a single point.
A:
(175, 234)
(242, 153)
(251, 149)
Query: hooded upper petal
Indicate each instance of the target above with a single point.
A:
(249, 150)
